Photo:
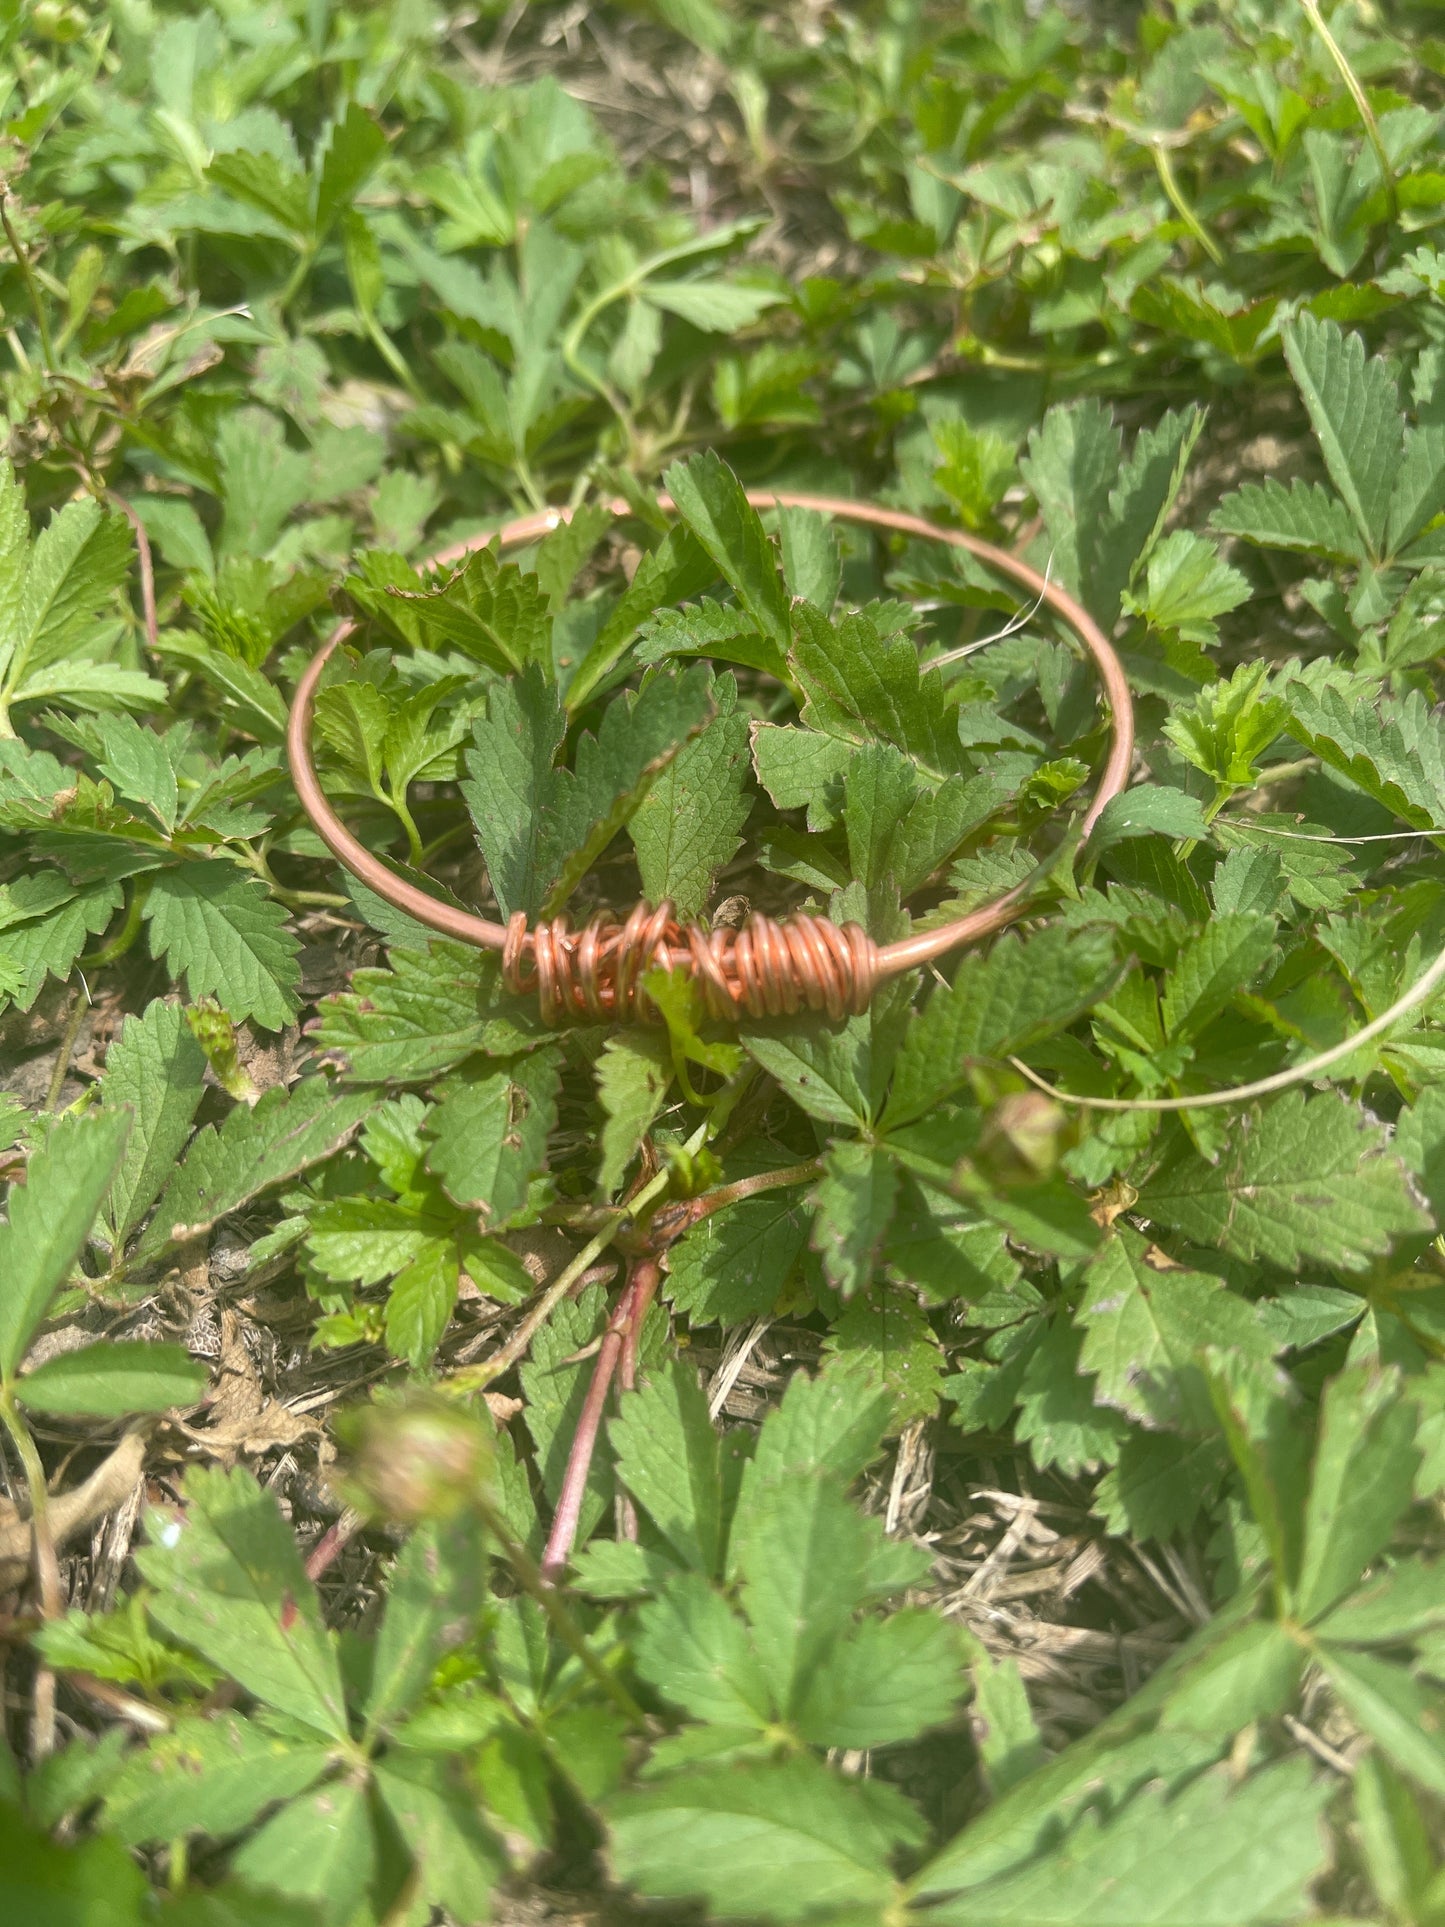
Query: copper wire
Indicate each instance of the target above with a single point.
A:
(767, 968)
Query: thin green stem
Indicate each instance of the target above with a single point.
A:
(66, 1051)
(1362, 103)
(529, 1577)
(42, 324)
(130, 929)
(1169, 181)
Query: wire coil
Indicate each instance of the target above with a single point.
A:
(767, 968)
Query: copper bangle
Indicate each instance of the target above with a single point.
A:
(766, 968)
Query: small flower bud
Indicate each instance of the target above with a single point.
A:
(418, 1458)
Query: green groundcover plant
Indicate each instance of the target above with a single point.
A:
(295, 296)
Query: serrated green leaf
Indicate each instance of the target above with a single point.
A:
(786, 1840)
(1394, 752)
(252, 1150)
(421, 1300)
(1354, 409)
(1186, 585)
(996, 1006)
(734, 1264)
(1147, 1321)
(320, 1848)
(853, 1206)
(686, 827)
(458, 1862)
(231, 941)
(1299, 1178)
(1226, 956)
(1363, 1479)
(155, 1068)
(1401, 1715)
(434, 1594)
(1304, 517)
(1210, 1857)
(667, 1457)
(489, 1134)
(229, 1581)
(350, 152)
(50, 1216)
(435, 1006)
(711, 501)
(861, 686)
(801, 1553)
(889, 1680)
(802, 769)
(695, 1650)
(208, 1776)
(634, 1074)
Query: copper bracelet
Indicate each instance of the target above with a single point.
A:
(767, 968)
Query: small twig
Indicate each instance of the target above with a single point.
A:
(1321, 1749)
(147, 569)
(46, 1568)
(332, 1543)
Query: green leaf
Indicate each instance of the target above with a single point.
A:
(95, 1884)
(802, 769)
(421, 1301)
(229, 1581)
(1403, 1717)
(862, 686)
(435, 1006)
(1394, 752)
(489, 1134)
(458, 1862)
(254, 1149)
(734, 1264)
(827, 1070)
(433, 1597)
(156, 1069)
(1148, 810)
(1363, 1480)
(1299, 1178)
(139, 763)
(785, 1839)
(320, 1848)
(667, 1457)
(889, 1339)
(1057, 1416)
(711, 501)
(1228, 954)
(541, 829)
(229, 938)
(1304, 517)
(1186, 585)
(1008, 1740)
(208, 1776)
(801, 1552)
(1229, 725)
(853, 1207)
(997, 1005)
(686, 827)
(888, 1681)
(697, 1652)
(1146, 1323)
(75, 564)
(832, 1424)
(634, 1074)
(1213, 1856)
(110, 1380)
(351, 150)
(50, 1217)
(1354, 409)
(717, 307)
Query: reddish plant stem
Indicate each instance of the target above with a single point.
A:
(332, 1543)
(147, 568)
(638, 1292)
(631, 1338)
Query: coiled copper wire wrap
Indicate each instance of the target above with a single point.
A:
(767, 968)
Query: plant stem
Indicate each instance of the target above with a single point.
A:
(47, 346)
(47, 1568)
(1362, 103)
(67, 1048)
(619, 1337)
(130, 929)
(529, 1577)
(1168, 180)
